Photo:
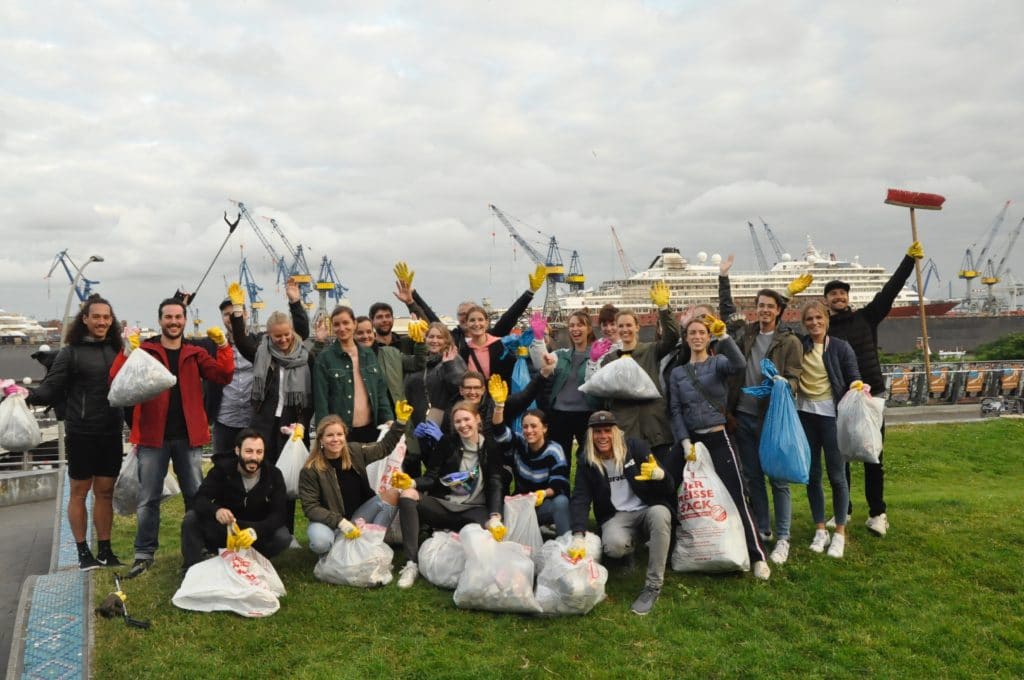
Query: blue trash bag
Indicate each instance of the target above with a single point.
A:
(520, 344)
(783, 450)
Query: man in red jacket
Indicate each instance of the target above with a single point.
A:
(172, 427)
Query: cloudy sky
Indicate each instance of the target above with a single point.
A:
(382, 131)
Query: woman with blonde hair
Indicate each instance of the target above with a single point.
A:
(334, 490)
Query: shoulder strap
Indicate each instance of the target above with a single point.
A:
(700, 388)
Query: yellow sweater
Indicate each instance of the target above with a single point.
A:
(814, 385)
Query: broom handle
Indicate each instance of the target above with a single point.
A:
(920, 303)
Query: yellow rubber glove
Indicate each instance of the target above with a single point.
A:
(403, 411)
(537, 278)
(217, 335)
(798, 285)
(240, 539)
(498, 389)
(857, 385)
(236, 294)
(418, 330)
(133, 342)
(403, 273)
(541, 495)
(401, 481)
(577, 549)
(650, 470)
(716, 326)
(916, 250)
(660, 294)
(298, 432)
(497, 529)
(349, 530)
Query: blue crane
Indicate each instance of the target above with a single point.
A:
(253, 290)
(279, 265)
(84, 286)
(776, 246)
(299, 269)
(758, 253)
(553, 265)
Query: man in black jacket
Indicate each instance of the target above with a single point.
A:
(631, 495)
(860, 329)
(251, 494)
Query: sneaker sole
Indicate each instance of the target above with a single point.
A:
(90, 567)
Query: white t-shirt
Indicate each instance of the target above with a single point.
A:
(623, 497)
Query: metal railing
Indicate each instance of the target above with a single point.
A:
(952, 382)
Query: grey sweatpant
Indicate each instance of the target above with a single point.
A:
(619, 534)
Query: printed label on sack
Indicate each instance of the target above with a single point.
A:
(698, 500)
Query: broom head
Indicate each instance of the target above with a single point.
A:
(914, 199)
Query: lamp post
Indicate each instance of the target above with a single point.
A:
(61, 453)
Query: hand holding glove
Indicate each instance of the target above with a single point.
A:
(297, 432)
(660, 294)
(349, 530)
(600, 348)
(537, 278)
(237, 296)
(403, 411)
(15, 390)
(498, 389)
(131, 340)
(541, 495)
(578, 548)
(427, 429)
(402, 481)
(798, 285)
(496, 528)
(539, 325)
(716, 326)
(650, 470)
(689, 451)
(916, 250)
(418, 330)
(240, 539)
(217, 335)
(403, 273)
(861, 386)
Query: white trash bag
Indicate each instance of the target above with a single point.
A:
(561, 544)
(127, 487)
(19, 430)
(565, 586)
(622, 378)
(498, 576)
(363, 562)
(442, 559)
(243, 582)
(293, 457)
(710, 534)
(141, 378)
(520, 518)
(378, 473)
(859, 426)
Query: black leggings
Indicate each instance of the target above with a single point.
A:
(727, 467)
(434, 515)
(566, 425)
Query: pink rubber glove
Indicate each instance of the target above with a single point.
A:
(539, 325)
(15, 391)
(600, 348)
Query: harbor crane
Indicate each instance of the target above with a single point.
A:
(298, 271)
(628, 269)
(762, 262)
(776, 246)
(993, 275)
(279, 264)
(930, 269)
(575, 277)
(554, 267)
(247, 281)
(84, 286)
(328, 285)
(970, 264)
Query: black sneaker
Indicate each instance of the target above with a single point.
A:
(87, 562)
(109, 559)
(644, 602)
(139, 567)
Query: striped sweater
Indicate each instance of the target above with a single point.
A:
(547, 468)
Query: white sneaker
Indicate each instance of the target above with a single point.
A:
(294, 545)
(821, 541)
(878, 525)
(781, 552)
(831, 523)
(837, 547)
(761, 570)
(408, 575)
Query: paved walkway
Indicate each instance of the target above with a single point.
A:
(26, 534)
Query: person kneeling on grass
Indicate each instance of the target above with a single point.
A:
(631, 495)
(333, 486)
(462, 484)
(250, 494)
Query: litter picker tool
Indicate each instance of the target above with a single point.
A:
(115, 605)
(917, 200)
(187, 298)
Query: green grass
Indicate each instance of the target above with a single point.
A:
(940, 596)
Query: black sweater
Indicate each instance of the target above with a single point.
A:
(262, 508)
(79, 376)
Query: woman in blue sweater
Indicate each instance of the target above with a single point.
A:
(698, 394)
(829, 368)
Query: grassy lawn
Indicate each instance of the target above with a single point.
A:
(940, 596)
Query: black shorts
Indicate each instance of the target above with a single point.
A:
(94, 455)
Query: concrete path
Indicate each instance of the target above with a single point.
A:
(940, 413)
(26, 534)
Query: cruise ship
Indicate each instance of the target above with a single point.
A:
(15, 328)
(697, 283)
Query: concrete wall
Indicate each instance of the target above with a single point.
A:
(946, 333)
(27, 487)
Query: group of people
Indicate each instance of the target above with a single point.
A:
(470, 440)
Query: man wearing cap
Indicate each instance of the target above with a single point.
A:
(632, 496)
(860, 329)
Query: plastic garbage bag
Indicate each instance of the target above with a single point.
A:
(710, 533)
(171, 487)
(19, 430)
(442, 559)
(498, 576)
(378, 473)
(859, 426)
(623, 378)
(519, 343)
(127, 487)
(363, 562)
(141, 378)
(243, 582)
(566, 586)
(520, 518)
(293, 457)
(561, 544)
(784, 452)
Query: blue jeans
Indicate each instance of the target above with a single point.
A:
(152, 470)
(555, 508)
(373, 511)
(821, 434)
(748, 437)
